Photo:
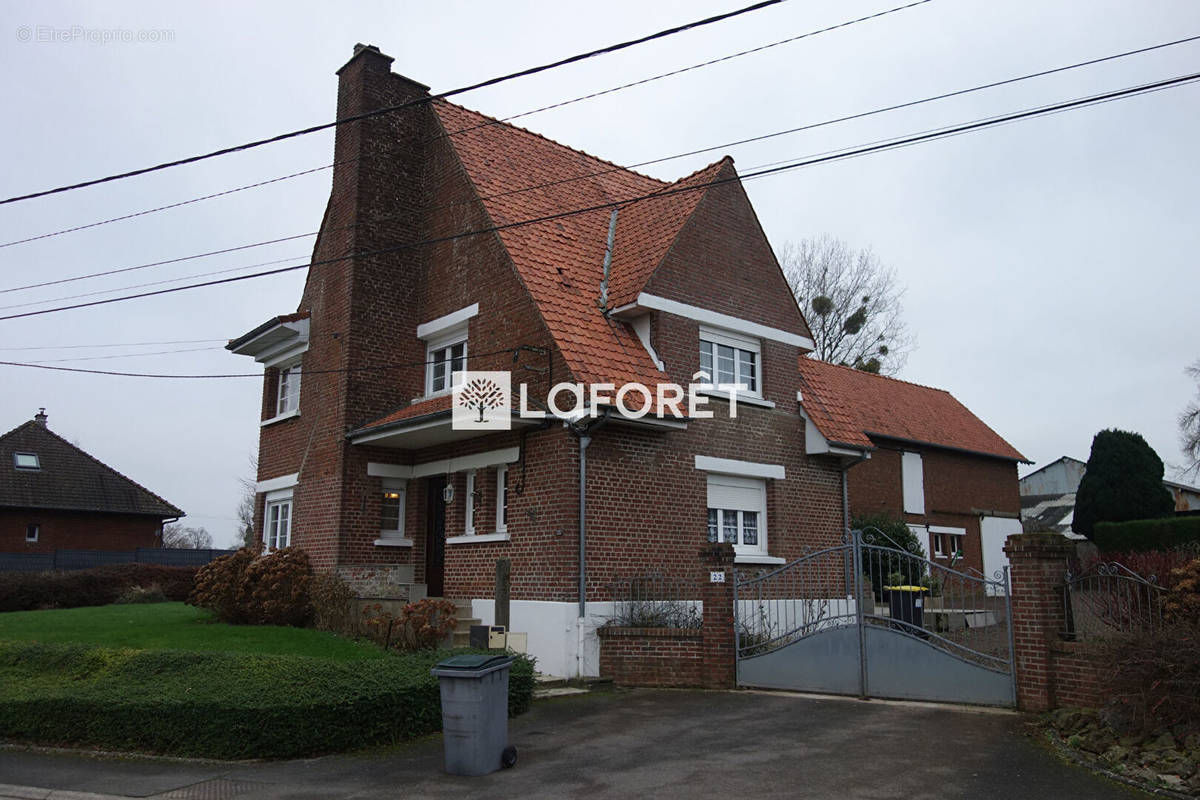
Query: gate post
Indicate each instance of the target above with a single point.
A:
(718, 669)
(1038, 568)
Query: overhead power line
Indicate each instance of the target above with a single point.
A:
(682, 70)
(391, 109)
(115, 344)
(166, 207)
(837, 156)
(376, 368)
(659, 160)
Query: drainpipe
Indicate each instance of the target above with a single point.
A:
(584, 435)
(846, 465)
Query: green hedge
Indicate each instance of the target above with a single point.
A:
(222, 705)
(30, 591)
(1146, 534)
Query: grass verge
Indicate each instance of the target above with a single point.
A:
(174, 626)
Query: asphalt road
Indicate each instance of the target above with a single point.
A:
(636, 744)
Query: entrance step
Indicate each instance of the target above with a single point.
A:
(553, 686)
(461, 635)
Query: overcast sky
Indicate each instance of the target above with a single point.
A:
(1050, 265)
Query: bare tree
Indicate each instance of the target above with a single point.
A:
(185, 538)
(245, 508)
(851, 300)
(1189, 427)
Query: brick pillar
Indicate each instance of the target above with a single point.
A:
(1038, 567)
(718, 668)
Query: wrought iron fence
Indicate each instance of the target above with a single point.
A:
(654, 600)
(1108, 598)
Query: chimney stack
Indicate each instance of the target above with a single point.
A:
(40, 417)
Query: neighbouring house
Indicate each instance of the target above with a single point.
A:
(447, 245)
(1048, 495)
(54, 496)
(926, 459)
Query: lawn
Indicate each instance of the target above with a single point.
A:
(174, 626)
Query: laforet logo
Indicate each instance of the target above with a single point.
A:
(482, 401)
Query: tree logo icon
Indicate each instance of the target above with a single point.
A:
(482, 401)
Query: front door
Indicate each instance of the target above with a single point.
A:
(435, 535)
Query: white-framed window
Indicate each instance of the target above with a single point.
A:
(277, 520)
(737, 513)
(501, 499)
(32, 532)
(469, 505)
(391, 508)
(26, 461)
(445, 357)
(287, 396)
(730, 359)
(948, 542)
(912, 479)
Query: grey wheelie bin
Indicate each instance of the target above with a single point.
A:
(475, 713)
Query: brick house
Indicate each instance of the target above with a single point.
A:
(926, 459)
(424, 267)
(54, 496)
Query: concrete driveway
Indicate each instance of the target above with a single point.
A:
(637, 744)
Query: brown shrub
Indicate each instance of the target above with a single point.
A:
(274, 589)
(419, 626)
(333, 604)
(1183, 599)
(218, 585)
(1153, 677)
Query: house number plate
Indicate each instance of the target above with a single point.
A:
(716, 577)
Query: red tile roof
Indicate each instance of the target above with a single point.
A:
(431, 406)
(850, 406)
(561, 261)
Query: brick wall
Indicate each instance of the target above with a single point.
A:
(670, 657)
(701, 657)
(1077, 671)
(71, 530)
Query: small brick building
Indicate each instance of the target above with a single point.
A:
(926, 459)
(54, 496)
(445, 247)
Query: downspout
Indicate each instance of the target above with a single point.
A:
(846, 465)
(584, 435)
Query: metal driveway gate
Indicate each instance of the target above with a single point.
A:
(868, 618)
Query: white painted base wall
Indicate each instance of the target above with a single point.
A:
(554, 633)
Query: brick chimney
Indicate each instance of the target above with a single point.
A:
(41, 417)
(363, 309)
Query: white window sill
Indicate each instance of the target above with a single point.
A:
(751, 559)
(393, 542)
(431, 396)
(295, 412)
(478, 538)
(742, 398)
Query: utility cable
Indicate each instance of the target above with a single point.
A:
(682, 70)
(390, 109)
(377, 368)
(725, 145)
(873, 148)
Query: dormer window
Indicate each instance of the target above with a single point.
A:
(28, 461)
(731, 359)
(445, 358)
(445, 348)
(288, 395)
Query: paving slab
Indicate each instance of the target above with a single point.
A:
(641, 743)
